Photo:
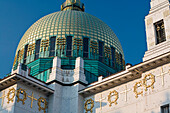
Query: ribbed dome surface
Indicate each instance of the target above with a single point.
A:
(76, 23)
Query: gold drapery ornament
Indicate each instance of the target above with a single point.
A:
(146, 78)
(21, 91)
(11, 91)
(111, 94)
(89, 101)
(42, 100)
(136, 86)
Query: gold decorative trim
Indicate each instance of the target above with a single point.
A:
(31, 49)
(21, 91)
(78, 42)
(94, 47)
(89, 101)
(11, 91)
(21, 54)
(44, 45)
(136, 86)
(146, 78)
(111, 94)
(15, 60)
(61, 43)
(107, 51)
(42, 100)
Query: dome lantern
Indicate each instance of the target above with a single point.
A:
(72, 5)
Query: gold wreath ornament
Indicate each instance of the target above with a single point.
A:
(42, 100)
(136, 86)
(113, 93)
(145, 81)
(11, 91)
(21, 91)
(89, 101)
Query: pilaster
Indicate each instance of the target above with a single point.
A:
(56, 70)
(79, 71)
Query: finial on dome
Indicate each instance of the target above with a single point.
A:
(72, 5)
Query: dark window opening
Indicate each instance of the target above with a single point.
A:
(113, 57)
(160, 32)
(121, 62)
(18, 57)
(69, 46)
(165, 109)
(85, 47)
(37, 49)
(101, 51)
(52, 46)
(25, 53)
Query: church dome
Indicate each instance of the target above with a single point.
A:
(70, 23)
(68, 34)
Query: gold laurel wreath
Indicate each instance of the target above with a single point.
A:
(11, 91)
(136, 86)
(89, 101)
(111, 94)
(40, 100)
(21, 91)
(152, 78)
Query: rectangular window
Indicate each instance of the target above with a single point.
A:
(160, 32)
(52, 46)
(37, 49)
(69, 46)
(85, 47)
(121, 61)
(25, 53)
(101, 51)
(165, 109)
(113, 56)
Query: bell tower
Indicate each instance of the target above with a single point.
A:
(157, 24)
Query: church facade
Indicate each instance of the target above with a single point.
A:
(72, 62)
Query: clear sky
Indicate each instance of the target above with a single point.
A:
(125, 17)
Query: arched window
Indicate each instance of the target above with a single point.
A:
(113, 56)
(101, 51)
(25, 53)
(121, 62)
(52, 46)
(85, 47)
(69, 46)
(37, 49)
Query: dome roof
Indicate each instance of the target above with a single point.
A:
(75, 23)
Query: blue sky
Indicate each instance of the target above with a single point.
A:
(125, 17)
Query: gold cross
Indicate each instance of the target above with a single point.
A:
(32, 98)
(100, 100)
(126, 91)
(162, 75)
(3, 96)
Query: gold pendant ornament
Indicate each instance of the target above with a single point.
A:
(113, 93)
(137, 85)
(42, 100)
(146, 79)
(11, 91)
(21, 91)
(91, 102)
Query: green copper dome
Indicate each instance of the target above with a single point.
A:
(69, 34)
